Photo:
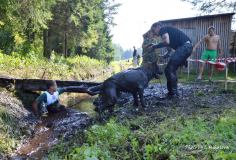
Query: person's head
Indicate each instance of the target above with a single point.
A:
(150, 35)
(156, 28)
(52, 85)
(134, 47)
(211, 30)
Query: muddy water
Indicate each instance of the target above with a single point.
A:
(52, 128)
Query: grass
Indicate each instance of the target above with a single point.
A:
(32, 66)
(194, 137)
(217, 75)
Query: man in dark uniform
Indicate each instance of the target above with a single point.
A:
(172, 38)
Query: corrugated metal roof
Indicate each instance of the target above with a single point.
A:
(198, 17)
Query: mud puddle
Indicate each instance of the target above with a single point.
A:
(52, 128)
(191, 97)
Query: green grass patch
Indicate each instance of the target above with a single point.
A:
(180, 137)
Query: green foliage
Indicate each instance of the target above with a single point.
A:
(70, 27)
(181, 138)
(25, 14)
(209, 6)
(6, 42)
(128, 53)
(32, 66)
(118, 51)
(199, 93)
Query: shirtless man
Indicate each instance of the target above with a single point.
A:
(212, 40)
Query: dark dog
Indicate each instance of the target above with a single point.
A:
(133, 81)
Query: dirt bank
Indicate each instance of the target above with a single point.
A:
(16, 122)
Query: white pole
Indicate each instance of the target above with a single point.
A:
(226, 76)
(188, 68)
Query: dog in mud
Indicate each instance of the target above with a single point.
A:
(131, 80)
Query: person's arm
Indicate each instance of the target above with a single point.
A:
(219, 47)
(145, 46)
(79, 89)
(165, 42)
(39, 100)
(198, 44)
(34, 106)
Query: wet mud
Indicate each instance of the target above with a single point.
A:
(49, 131)
(191, 97)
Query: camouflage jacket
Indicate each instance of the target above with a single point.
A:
(146, 41)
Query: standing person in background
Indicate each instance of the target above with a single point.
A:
(212, 40)
(138, 59)
(149, 56)
(135, 53)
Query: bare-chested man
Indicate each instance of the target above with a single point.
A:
(212, 40)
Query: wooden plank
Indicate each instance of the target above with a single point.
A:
(40, 85)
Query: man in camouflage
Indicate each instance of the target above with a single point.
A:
(149, 56)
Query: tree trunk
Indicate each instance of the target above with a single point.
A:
(33, 37)
(45, 42)
(49, 51)
(65, 45)
(28, 36)
(57, 44)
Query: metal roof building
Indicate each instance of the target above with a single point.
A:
(197, 27)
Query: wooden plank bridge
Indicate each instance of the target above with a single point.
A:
(40, 84)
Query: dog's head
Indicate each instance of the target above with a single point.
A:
(152, 69)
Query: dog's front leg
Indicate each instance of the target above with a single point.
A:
(141, 98)
(135, 98)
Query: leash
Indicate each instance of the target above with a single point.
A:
(78, 102)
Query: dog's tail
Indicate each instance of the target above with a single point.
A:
(94, 90)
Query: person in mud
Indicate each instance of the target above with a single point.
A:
(135, 53)
(51, 97)
(138, 59)
(212, 40)
(172, 38)
(150, 56)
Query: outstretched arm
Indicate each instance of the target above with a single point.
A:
(165, 42)
(219, 47)
(34, 106)
(198, 44)
(78, 89)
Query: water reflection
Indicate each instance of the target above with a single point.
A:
(81, 103)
